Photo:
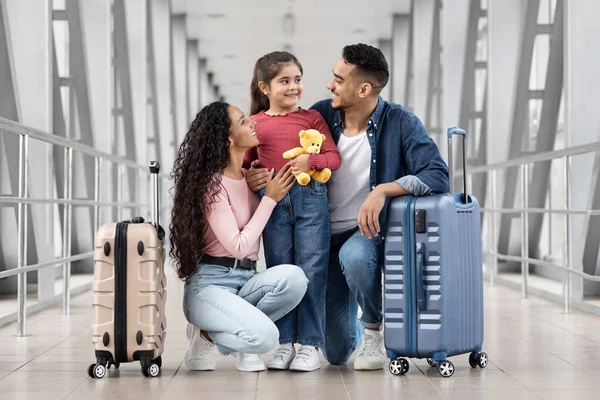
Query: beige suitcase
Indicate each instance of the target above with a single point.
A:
(129, 293)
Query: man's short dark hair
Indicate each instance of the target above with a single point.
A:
(370, 63)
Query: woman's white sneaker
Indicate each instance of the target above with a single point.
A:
(283, 357)
(371, 355)
(249, 362)
(306, 360)
(199, 356)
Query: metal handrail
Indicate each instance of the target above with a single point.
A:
(74, 202)
(542, 263)
(15, 127)
(22, 200)
(523, 163)
(590, 213)
(534, 158)
(53, 263)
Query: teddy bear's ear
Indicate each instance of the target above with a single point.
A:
(323, 136)
(301, 134)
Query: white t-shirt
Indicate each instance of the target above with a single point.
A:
(349, 185)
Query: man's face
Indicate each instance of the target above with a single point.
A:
(344, 86)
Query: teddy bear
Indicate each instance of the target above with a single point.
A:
(311, 141)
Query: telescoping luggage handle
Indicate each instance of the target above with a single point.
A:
(451, 132)
(154, 170)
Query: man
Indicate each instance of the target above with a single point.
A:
(385, 153)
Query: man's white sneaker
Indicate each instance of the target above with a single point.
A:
(199, 356)
(283, 357)
(306, 360)
(249, 362)
(371, 355)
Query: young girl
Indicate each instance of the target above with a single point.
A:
(215, 238)
(298, 231)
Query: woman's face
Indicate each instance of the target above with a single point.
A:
(242, 133)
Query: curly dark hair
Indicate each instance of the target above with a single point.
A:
(370, 64)
(196, 174)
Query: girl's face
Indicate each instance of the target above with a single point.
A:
(241, 134)
(285, 90)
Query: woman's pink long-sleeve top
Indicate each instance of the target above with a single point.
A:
(236, 221)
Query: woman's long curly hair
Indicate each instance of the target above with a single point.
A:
(197, 175)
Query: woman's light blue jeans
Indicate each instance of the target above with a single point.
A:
(238, 307)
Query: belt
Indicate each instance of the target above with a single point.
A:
(229, 262)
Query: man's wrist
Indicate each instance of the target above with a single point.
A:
(391, 189)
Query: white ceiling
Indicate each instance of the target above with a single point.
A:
(233, 34)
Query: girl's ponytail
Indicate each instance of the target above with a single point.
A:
(259, 100)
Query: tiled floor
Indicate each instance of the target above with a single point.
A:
(536, 351)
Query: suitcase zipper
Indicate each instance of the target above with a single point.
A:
(410, 282)
(121, 292)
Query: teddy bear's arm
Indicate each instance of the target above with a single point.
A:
(294, 152)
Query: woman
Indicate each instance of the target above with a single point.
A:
(215, 238)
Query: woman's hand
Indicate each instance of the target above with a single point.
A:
(257, 177)
(278, 187)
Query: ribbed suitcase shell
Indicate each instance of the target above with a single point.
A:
(451, 321)
(145, 293)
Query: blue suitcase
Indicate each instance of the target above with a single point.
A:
(433, 287)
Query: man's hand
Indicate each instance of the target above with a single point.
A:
(368, 215)
(300, 163)
(256, 178)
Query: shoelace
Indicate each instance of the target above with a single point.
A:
(204, 346)
(304, 353)
(282, 352)
(189, 330)
(203, 355)
(371, 346)
(203, 350)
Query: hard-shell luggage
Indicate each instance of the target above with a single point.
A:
(129, 292)
(433, 287)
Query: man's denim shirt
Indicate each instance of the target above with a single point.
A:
(401, 150)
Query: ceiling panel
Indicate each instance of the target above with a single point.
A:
(232, 34)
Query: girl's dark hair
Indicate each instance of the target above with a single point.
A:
(266, 68)
(197, 175)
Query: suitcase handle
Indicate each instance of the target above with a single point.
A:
(421, 300)
(154, 170)
(451, 132)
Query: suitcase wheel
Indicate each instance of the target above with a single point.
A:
(151, 368)
(473, 360)
(97, 371)
(152, 371)
(110, 364)
(399, 366)
(446, 369)
(482, 360)
(478, 360)
(431, 362)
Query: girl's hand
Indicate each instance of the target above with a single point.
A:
(278, 187)
(300, 163)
